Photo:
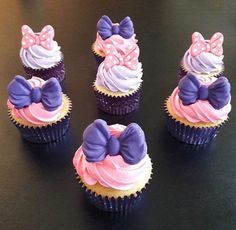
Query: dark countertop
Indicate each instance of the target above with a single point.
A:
(192, 187)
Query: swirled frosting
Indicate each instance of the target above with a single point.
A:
(120, 43)
(204, 63)
(35, 113)
(37, 57)
(119, 78)
(201, 110)
(112, 172)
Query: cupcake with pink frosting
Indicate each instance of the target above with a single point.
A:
(198, 108)
(204, 57)
(118, 82)
(38, 108)
(120, 35)
(112, 165)
(40, 54)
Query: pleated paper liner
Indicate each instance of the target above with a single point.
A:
(117, 105)
(44, 134)
(112, 204)
(190, 134)
(57, 71)
(183, 71)
(98, 57)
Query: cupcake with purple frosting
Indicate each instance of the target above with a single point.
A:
(198, 108)
(120, 35)
(118, 82)
(38, 108)
(204, 57)
(40, 54)
(112, 165)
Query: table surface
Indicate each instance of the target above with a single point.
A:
(191, 188)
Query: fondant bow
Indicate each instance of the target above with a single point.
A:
(22, 94)
(44, 38)
(106, 28)
(128, 59)
(218, 93)
(214, 45)
(98, 143)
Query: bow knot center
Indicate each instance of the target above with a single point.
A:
(203, 92)
(115, 29)
(113, 146)
(37, 39)
(208, 47)
(36, 94)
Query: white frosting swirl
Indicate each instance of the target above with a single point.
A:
(37, 57)
(119, 78)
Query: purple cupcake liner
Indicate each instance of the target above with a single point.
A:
(45, 134)
(98, 59)
(111, 204)
(57, 71)
(191, 135)
(117, 105)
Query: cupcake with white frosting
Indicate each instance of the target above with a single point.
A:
(41, 56)
(204, 57)
(118, 82)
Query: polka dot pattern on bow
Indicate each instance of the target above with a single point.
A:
(44, 38)
(214, 45)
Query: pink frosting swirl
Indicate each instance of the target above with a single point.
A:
(121, 44)
(201, 110)
(35, 113)
(112, 172)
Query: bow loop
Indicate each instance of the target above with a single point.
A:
(218, 93)
(214, 45)
(106, 28)
(22, 94)
(98, 143)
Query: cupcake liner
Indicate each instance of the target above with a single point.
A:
(190, 135)
(57, 71)
(183, 72)
(44, 134)
(98, 58)
(117, 105)
(112, 204)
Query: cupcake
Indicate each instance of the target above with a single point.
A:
(38, 108)
(121, 35)
(40, 54)
(198, 108)
(204, 57)
(112, 165)
(118, 82)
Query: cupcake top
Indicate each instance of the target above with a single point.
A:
(39, 50)
(201, 99)
(204, 56)
(121, 35)
(113, 156)
(121, 70)
(35, 101)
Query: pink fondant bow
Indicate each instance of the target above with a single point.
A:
(128, 59)
(44, 38)
(214, 45)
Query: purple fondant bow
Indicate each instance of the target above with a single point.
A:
(22, 94)
(218, 93)
(98, 143)
(106, 28)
